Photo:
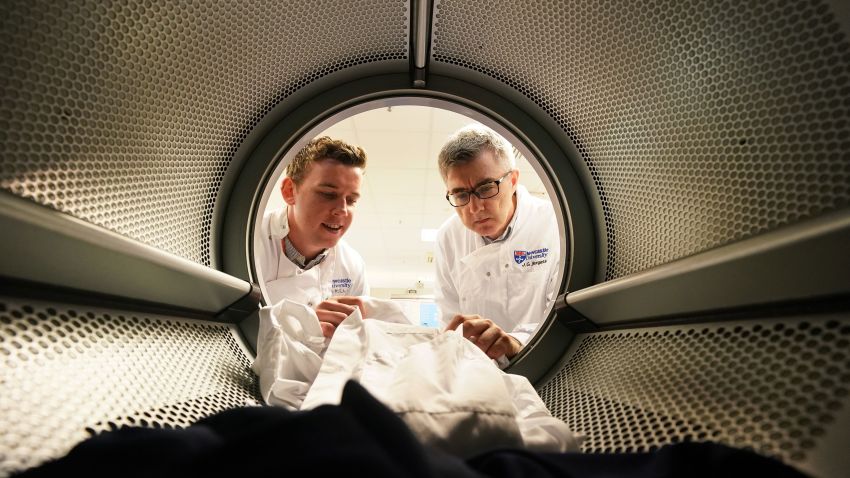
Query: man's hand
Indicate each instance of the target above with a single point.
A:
(482, 332)
(352, 301)
(333, 311)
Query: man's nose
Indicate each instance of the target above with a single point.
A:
(341, 207)
(475, 203)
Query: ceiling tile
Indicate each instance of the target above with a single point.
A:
(365, 219)
(395, 118)
(394, 149)
(401, 220)
(445, 122)
(434, 221)
(390, 181)
(399, 205)
(434, 185)
(343, 128)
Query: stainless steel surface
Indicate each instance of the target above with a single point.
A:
(421, 32)
(699, 124)
(127, 114)
(774, 386)
(69, 371)
(702, 123)
(51, 248)
(806, 261)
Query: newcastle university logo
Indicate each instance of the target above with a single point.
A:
(530, 259)
(340, 286)
(520, 256)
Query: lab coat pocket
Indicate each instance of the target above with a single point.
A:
(527, 280)
(527, 290)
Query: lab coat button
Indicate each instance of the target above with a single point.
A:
(488, 274)
(310, 304)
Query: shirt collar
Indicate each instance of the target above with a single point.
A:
(279, 228)
(298, 259)
(488, 241)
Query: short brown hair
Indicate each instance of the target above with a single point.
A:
(320, 149)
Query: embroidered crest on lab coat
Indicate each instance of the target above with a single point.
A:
(531, 258)
(519, 256)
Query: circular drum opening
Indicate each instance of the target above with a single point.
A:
(249, 183)
(401, 206)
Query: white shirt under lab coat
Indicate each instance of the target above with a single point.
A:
(511, 282)
(447, 391)
(342, 272)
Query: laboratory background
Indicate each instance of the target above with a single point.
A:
(403, 200)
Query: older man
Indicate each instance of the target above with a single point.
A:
(497, 259)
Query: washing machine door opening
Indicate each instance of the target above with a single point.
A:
(492, 241)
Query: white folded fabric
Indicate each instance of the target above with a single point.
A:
(450, 394)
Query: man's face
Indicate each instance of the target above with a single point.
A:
(322, 206)
(486, 217)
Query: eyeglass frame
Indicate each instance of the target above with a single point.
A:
(472, 192)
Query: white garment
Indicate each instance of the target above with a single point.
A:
(342, 272)
(447, 391)
(511, 282)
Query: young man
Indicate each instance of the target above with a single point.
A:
(497, 259)
(303, 256)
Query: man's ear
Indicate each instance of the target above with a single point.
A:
(287, 190)
(514, 178)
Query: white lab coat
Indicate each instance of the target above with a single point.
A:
(446, 390)
(511, 282)
(342, 272)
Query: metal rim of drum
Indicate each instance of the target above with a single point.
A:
(263, 155)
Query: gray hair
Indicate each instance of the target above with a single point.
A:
(466, 143)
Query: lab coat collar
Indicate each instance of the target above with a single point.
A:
(481, 254)
(279, 223)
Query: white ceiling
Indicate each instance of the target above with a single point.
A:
(402, 191)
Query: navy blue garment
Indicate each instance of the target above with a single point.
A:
(691, 460)
(362, 437)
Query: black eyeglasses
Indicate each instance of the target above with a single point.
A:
(483, 191)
